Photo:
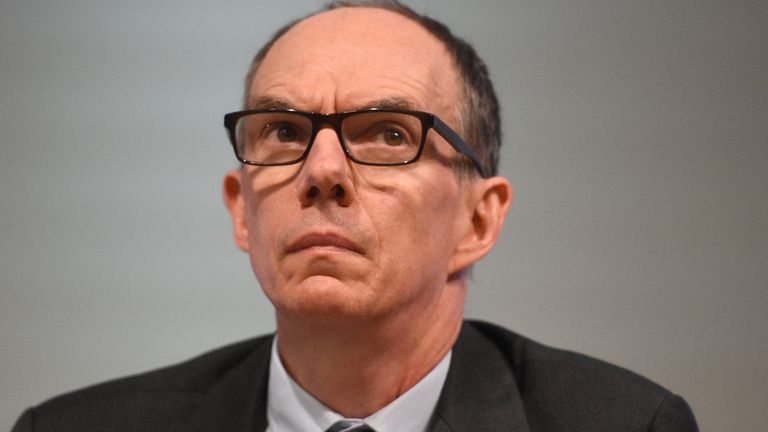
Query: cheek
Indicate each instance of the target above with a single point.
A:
(262, 228)
(416, 227)
(268, 207)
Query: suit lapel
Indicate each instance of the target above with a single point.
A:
(239, 401)
(480, 392)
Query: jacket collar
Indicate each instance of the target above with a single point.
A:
(480, 393)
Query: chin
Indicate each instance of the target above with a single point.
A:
(321, 296)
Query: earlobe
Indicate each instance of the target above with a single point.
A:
(490, 201)
(233, 199)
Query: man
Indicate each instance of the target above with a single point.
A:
(362, 207)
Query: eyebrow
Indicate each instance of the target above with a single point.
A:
(271, 102)
(267, 102)
(391, 103)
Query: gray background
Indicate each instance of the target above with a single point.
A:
(635, 135)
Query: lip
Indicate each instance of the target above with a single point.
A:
(327, 241)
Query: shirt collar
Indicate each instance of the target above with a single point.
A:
(291, 409)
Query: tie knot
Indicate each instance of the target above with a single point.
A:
(349, 426)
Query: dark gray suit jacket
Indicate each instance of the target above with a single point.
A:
(497, 381)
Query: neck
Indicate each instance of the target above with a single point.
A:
(356, 368)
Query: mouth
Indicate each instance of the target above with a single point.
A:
(329, 242)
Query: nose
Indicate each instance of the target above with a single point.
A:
(326, 172)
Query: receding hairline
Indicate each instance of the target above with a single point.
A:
(288, 28)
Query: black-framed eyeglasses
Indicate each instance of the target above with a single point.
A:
(372, 136)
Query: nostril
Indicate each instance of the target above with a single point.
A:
(338, 191)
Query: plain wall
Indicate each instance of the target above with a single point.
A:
(635, 136)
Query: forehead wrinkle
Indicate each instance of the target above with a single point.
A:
(287, 94)
(296, 84)
(277, 103)
(406, 90)
(301, 94)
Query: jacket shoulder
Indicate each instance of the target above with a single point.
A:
(163, 396)
(561, 388)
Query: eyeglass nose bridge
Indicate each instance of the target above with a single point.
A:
(319, 121)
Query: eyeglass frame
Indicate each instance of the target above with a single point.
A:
(318, 120)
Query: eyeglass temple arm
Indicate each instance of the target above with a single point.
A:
(457, 142)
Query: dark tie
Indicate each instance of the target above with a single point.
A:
(349, 426)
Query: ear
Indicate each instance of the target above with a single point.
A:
(233, 198)
(489, 200)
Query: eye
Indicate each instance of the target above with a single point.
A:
(287, 133)
(283, 132)
(393, 137)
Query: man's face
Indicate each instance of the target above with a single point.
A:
(330, 238)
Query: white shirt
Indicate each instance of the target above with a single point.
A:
(291, 409)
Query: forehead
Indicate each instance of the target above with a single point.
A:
(344, 58)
